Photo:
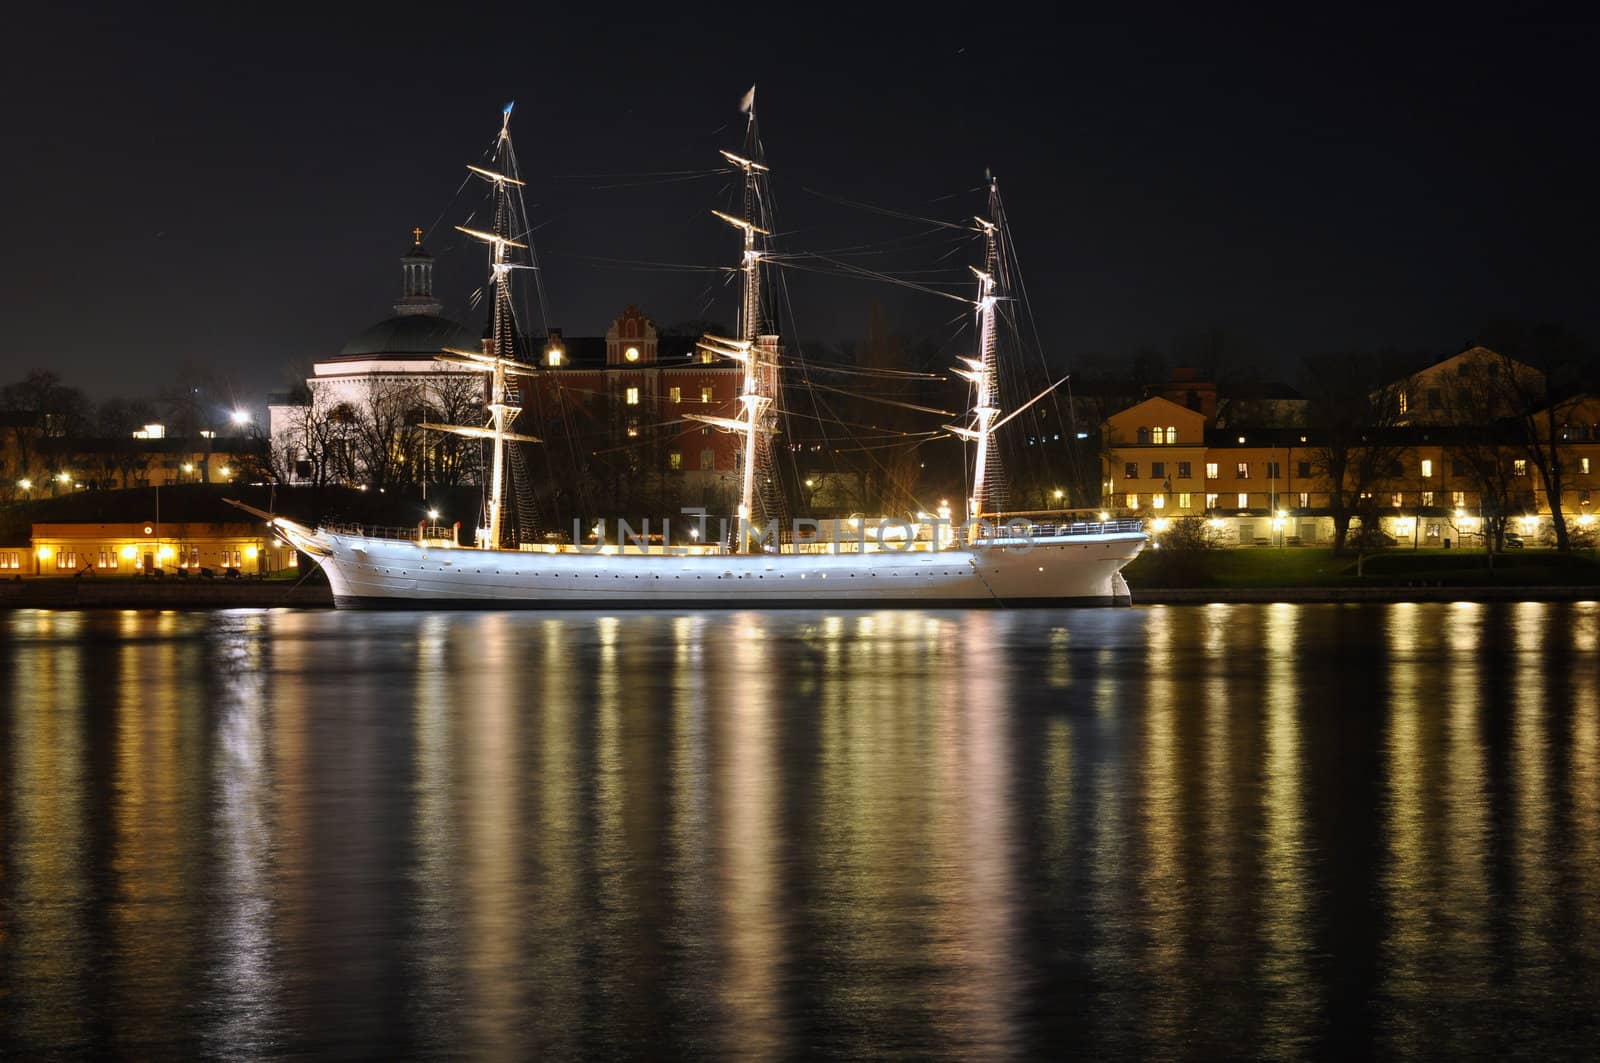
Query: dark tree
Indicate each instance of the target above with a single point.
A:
(1353, 413)
(1541, 400)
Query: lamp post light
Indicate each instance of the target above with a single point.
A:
(240, 418)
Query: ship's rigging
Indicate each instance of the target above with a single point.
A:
(496, 362)
(770, 376)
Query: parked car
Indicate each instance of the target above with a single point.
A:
(1513, 541)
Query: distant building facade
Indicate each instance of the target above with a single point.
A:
(38, 462)
(1267, 485)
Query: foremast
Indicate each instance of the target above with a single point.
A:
(751, 347)
(497, 360)
(983, 371)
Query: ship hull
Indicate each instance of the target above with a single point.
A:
(1075, 571)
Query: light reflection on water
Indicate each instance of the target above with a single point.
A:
(1277, 831)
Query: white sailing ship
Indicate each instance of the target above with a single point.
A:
(990, 559)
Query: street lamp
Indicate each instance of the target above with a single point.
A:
(433, 514)
(241, 417)
(25, 483)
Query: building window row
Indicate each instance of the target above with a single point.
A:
(1158, 436)
(1158, 470)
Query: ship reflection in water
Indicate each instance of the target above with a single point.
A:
(1214, 830)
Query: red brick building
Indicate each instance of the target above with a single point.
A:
(627, 393)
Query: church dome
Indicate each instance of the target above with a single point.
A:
(411, 334)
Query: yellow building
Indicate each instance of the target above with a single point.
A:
(1266, 487)
(140, 549)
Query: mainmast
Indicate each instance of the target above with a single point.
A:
(503, 330)
(750, 347)
(983, 370)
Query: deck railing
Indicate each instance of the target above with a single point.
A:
(415, 533)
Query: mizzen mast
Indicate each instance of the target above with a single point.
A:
(750, 347)
(497, 360)
(983, 370)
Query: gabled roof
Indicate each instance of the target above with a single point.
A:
(1155, 403)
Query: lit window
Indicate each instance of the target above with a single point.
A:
(1184, 500)
(1305, 500)
(1213, 501)
(675, 460)
(631, 354)
(1427, 498)
(1583, 466)
(1242, 470)
(1399, 499)
(633, 396)
(633, 428)
(1458, 499)
(1159, 502)
(676, 394)
(553, 356)
(10, 559)
(1244, 500)
(705, 357)
(1133, 501)
(1519, 467)
(1211, 470)
(1172, 434)
(705, 393)
(1427, 468)
(66, 559)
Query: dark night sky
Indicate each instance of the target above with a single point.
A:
(234, 189)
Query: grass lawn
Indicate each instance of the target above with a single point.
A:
(1399, 566)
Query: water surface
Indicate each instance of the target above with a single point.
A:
(1276, 831)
